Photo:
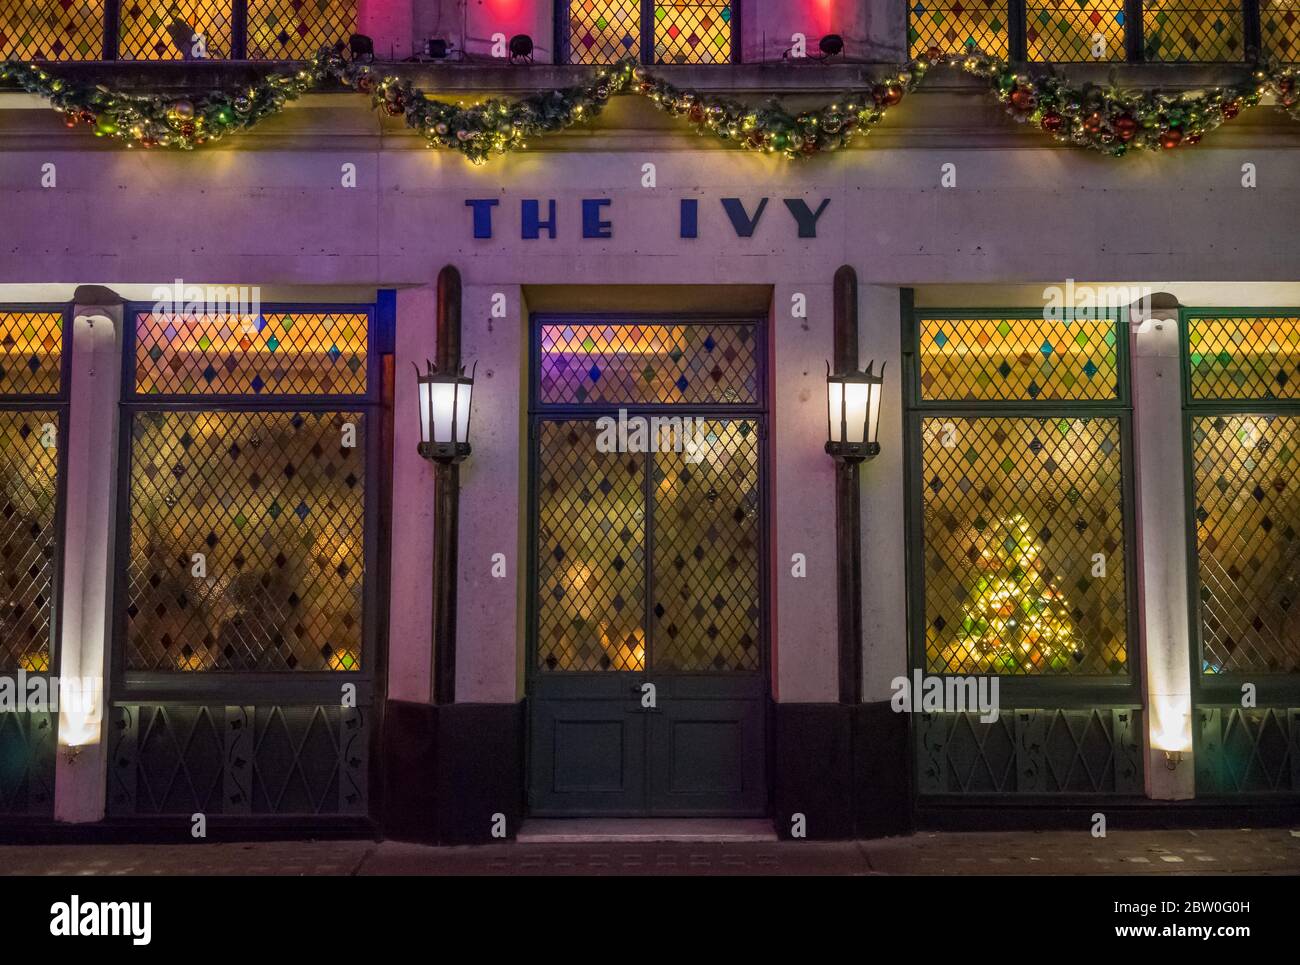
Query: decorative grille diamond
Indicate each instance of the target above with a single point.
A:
(1280, 26)
(1018, 515)
(1193, 30)
(692, 32)
(1251, 751)
(1064, 31)
(630, 363)
(290, 353)
(591, 552)
(1244, 357)
(1247, 517)
(1030, 751)
(167, 29)
(274, 501)
(31, 353)
(1027, 358)
(297, 29)
(604, 31)
(706, 552)
(51, 29)
(958, 26)
(29, 460)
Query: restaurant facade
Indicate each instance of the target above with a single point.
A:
(656, 579)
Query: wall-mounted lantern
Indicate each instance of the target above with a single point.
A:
(444, 400)
(853, 414)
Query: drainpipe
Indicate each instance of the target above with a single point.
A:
(446, 511)
(848, 504)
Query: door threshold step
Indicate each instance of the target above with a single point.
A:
(643, 830)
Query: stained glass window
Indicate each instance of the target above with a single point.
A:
(648, 546)
(630, 362)
(295, 353)
(246, 541)
(1018, 357)
(1244, 357)
(1064, 31)
(296, 30)
(683, 31)
(31, 352)
(52, 29)
(1248, 544)
(172, 29)
(958, 26)
(1280, 28)
(29, 459)
(1193, 30)
(1019, 513)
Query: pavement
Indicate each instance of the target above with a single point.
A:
(1269, 851)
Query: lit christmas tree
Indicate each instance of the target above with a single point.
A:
(1015, 621)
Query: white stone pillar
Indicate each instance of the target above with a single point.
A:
(90, 494)
(1162, 594)
(884, 500)
(410, 625)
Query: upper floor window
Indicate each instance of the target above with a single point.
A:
(658, 32)
(1087, 31)
(172, 29)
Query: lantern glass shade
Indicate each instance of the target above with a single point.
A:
(853, 413)
(444, 400)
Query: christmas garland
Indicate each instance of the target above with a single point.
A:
(1106, 119)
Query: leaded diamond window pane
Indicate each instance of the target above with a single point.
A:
(959, 26)
(296, 30)
(1280, 26)
(706, 551)
(590, 552)
(270, 353)
(604, 31)
(1244, 357)
(1017, 514)
(174, 29)
(692, 32)
(1027, 358)
(1247, 517)
(29, 459)
(51, 29)
(273, 503)
(1193, 30)
(31, 352)
(632, 362)
(1064, 31)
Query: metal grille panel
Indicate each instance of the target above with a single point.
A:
(591, 552)
(29, 461)
(1280, 26)
(1018, 358)
(238, 760)
(290, 353)
(27, 744)
(274, 501)
(1018, 513)
(1244, 357)
(165, 29)
(297, 29)
(1247, 516)
(1064, 31)
(1030, 752)
(692, 32)
(1248, 751)
(1193, 30)
(604, 31)
(51, 29)
(631, 363)
(706, 547)
(958, 26)
(31, 353)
